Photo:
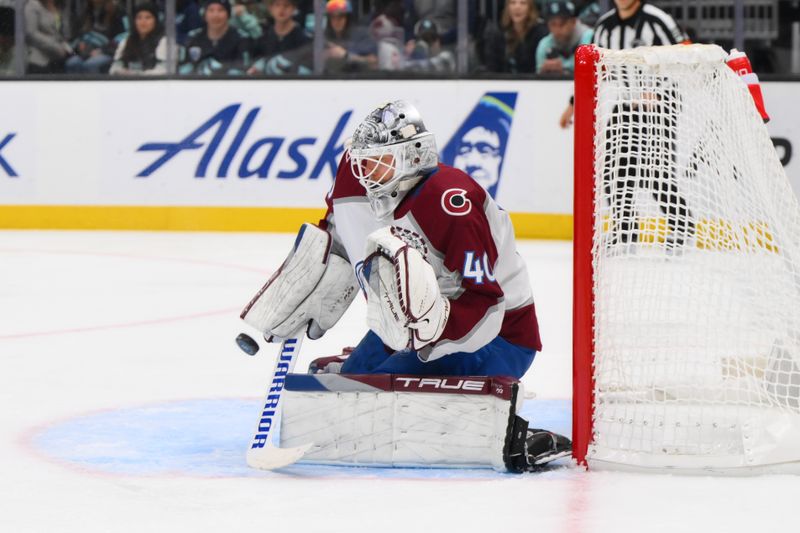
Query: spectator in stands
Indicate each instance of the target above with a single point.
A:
(244, 21)
(386, 29)
(218, 48)
(6, 41)
(349, 48)
(588, 11)
(187, 19)
(425, 51)
(285, 46)
(304, 14)
(260, 10)
(512, 49)
(556, 51)
(144, 50)
(47, 48)
(100, 23)
(442, 12)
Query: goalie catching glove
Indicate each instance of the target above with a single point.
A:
(312, 286)
(404, 305)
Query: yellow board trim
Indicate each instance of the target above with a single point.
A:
(156, 218)
(542, 226)
(710, 234)
(174, 218)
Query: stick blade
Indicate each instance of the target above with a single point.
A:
(271, 457)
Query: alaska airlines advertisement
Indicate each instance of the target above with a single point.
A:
(232, 143)
(261, 144)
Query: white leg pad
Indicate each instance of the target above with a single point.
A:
(402, 421)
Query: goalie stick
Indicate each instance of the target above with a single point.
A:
(263, 453)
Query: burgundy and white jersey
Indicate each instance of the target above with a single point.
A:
(467, 239)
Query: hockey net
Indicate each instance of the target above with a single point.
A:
(687, 269)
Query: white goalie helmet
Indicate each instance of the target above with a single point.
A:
(389, 153)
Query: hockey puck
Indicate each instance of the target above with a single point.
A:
(247, 344)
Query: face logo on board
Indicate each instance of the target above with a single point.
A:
(479, 145)
(478, 155)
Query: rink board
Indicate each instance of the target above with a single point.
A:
(238, 155)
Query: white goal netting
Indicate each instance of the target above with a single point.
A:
(696, 259)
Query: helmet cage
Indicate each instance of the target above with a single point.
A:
(392, 141)
(402, 160)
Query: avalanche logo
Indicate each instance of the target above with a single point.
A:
(456, 203)
(479, 145)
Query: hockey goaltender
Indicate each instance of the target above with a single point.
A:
(450, 311)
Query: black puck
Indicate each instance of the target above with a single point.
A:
(247, 344)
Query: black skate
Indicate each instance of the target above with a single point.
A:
(530, 450)
(544, 446)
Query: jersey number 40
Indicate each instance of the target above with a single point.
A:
(477, 268)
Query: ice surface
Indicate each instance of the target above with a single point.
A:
(127, 407)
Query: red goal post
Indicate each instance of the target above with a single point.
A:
(583, 228)
(686, 269)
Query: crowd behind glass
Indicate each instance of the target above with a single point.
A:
(279, 37)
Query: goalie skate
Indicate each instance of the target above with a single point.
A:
(545, 446)
(530, 450)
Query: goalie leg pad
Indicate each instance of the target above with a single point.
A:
(402, 420)
(312, 285)
(399, 420)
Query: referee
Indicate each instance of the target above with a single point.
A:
(643, 148)
(630, 24)
(635, 23)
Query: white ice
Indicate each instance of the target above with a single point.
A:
(126, 406)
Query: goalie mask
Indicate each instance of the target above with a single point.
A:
(389, 153)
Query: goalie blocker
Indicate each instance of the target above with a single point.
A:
(414, 421)
(312, 287)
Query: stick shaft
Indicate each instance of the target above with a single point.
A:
(270, 414)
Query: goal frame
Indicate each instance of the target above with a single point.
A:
(751, 416)
(583, 348)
